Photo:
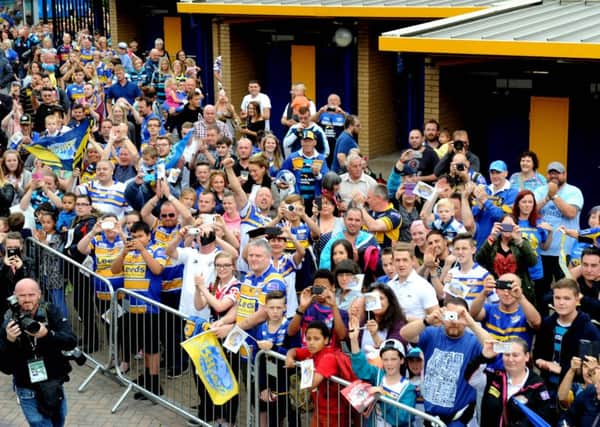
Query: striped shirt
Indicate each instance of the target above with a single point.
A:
(172, 274)
(139, 278)
(472, 280)
(107, 199)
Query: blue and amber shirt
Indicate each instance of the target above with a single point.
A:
(393, 221)
(137, 277)
(172, 274)
(103, 253)
(254, 290)
(74, 92)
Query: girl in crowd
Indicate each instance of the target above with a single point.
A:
(348, 283)
(329, 223)
(15, 173)
(221, 295)
(231, 213)
(255, 124)
(387, 381)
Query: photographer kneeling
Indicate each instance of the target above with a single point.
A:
(32, 339)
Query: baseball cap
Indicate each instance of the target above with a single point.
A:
(415, 353)
(122, 45)
(15, 83)
(308, 134)
(498, 165)
(392, 344)
(556, 166)
(25, 119)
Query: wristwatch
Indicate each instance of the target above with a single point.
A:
(554, 197)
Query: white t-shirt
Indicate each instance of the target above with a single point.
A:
(194, 264)
(415, 295)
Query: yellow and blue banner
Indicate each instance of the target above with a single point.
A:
(62, 151)
(211, 366)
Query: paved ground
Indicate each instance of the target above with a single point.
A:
(92, 406)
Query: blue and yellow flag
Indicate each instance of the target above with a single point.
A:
(211, 366)
(62, 151)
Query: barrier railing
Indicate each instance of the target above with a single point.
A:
(277, 395)
(163, 372)
(144, 348)
(72, 287)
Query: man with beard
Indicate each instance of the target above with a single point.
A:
(589, 282)
(420, 157)
(558, 204)
(347, 140)
(353, 222)
(437, 261)
(448, 350)
(431, 131)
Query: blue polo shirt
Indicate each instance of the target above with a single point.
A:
(129, 91)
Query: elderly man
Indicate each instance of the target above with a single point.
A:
(355, 181)
(209, 118)
(151, 65)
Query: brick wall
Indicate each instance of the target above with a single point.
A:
(432, 92)
(123, 26)
(238, 62)
(450, 116)
(375, 94)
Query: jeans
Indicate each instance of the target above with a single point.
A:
(29, 405)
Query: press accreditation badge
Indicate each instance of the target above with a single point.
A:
(37, 371)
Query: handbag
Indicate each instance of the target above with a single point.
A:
(49, 395)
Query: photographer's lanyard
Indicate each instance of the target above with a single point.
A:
(36, 366)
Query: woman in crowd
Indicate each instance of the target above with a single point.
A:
(382, 323)
(528, 178)
(231, 213)
(348, 283)
(179, 71)
(539, 234)
(388, 381)
(160, 77)
(418, 237)
(15, 173)
(341, 250)
(409, 208)
(329, 223)
(118, 115)
(258, 176)
(255, 124)
(515, 383)
(271, 149)
(217, 184)
(506, 251)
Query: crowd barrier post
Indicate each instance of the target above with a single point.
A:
(291, 389)
(72, 287)
(142, 338)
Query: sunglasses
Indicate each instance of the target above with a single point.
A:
(168, 215)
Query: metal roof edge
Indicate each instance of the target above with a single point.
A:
(460, 19)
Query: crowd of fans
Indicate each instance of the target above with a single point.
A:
(466, 290)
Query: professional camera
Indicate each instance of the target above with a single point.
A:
(459, 145)
(76, 355)
(24, 320)
(461, 167)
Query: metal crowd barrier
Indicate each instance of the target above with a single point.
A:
(150, 344)
(278, 400)
(72, 287)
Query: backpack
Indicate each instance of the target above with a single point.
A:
(345, 366)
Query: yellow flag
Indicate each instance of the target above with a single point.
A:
(212, 367)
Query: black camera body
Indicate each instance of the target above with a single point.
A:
(24, 320)
(75, 355)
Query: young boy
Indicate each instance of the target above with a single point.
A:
(272, 335)
(387, 264)
(444, 220)
(558, 338)
(67, 214)
(330, 408)
(468, 273)
(317, 303)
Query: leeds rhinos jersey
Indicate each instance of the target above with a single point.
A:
(103, 253)
(138, 277)
(109, 199)
(172, 274)
(254, 290)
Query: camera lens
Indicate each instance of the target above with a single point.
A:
(29, 325)
(290, 208)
